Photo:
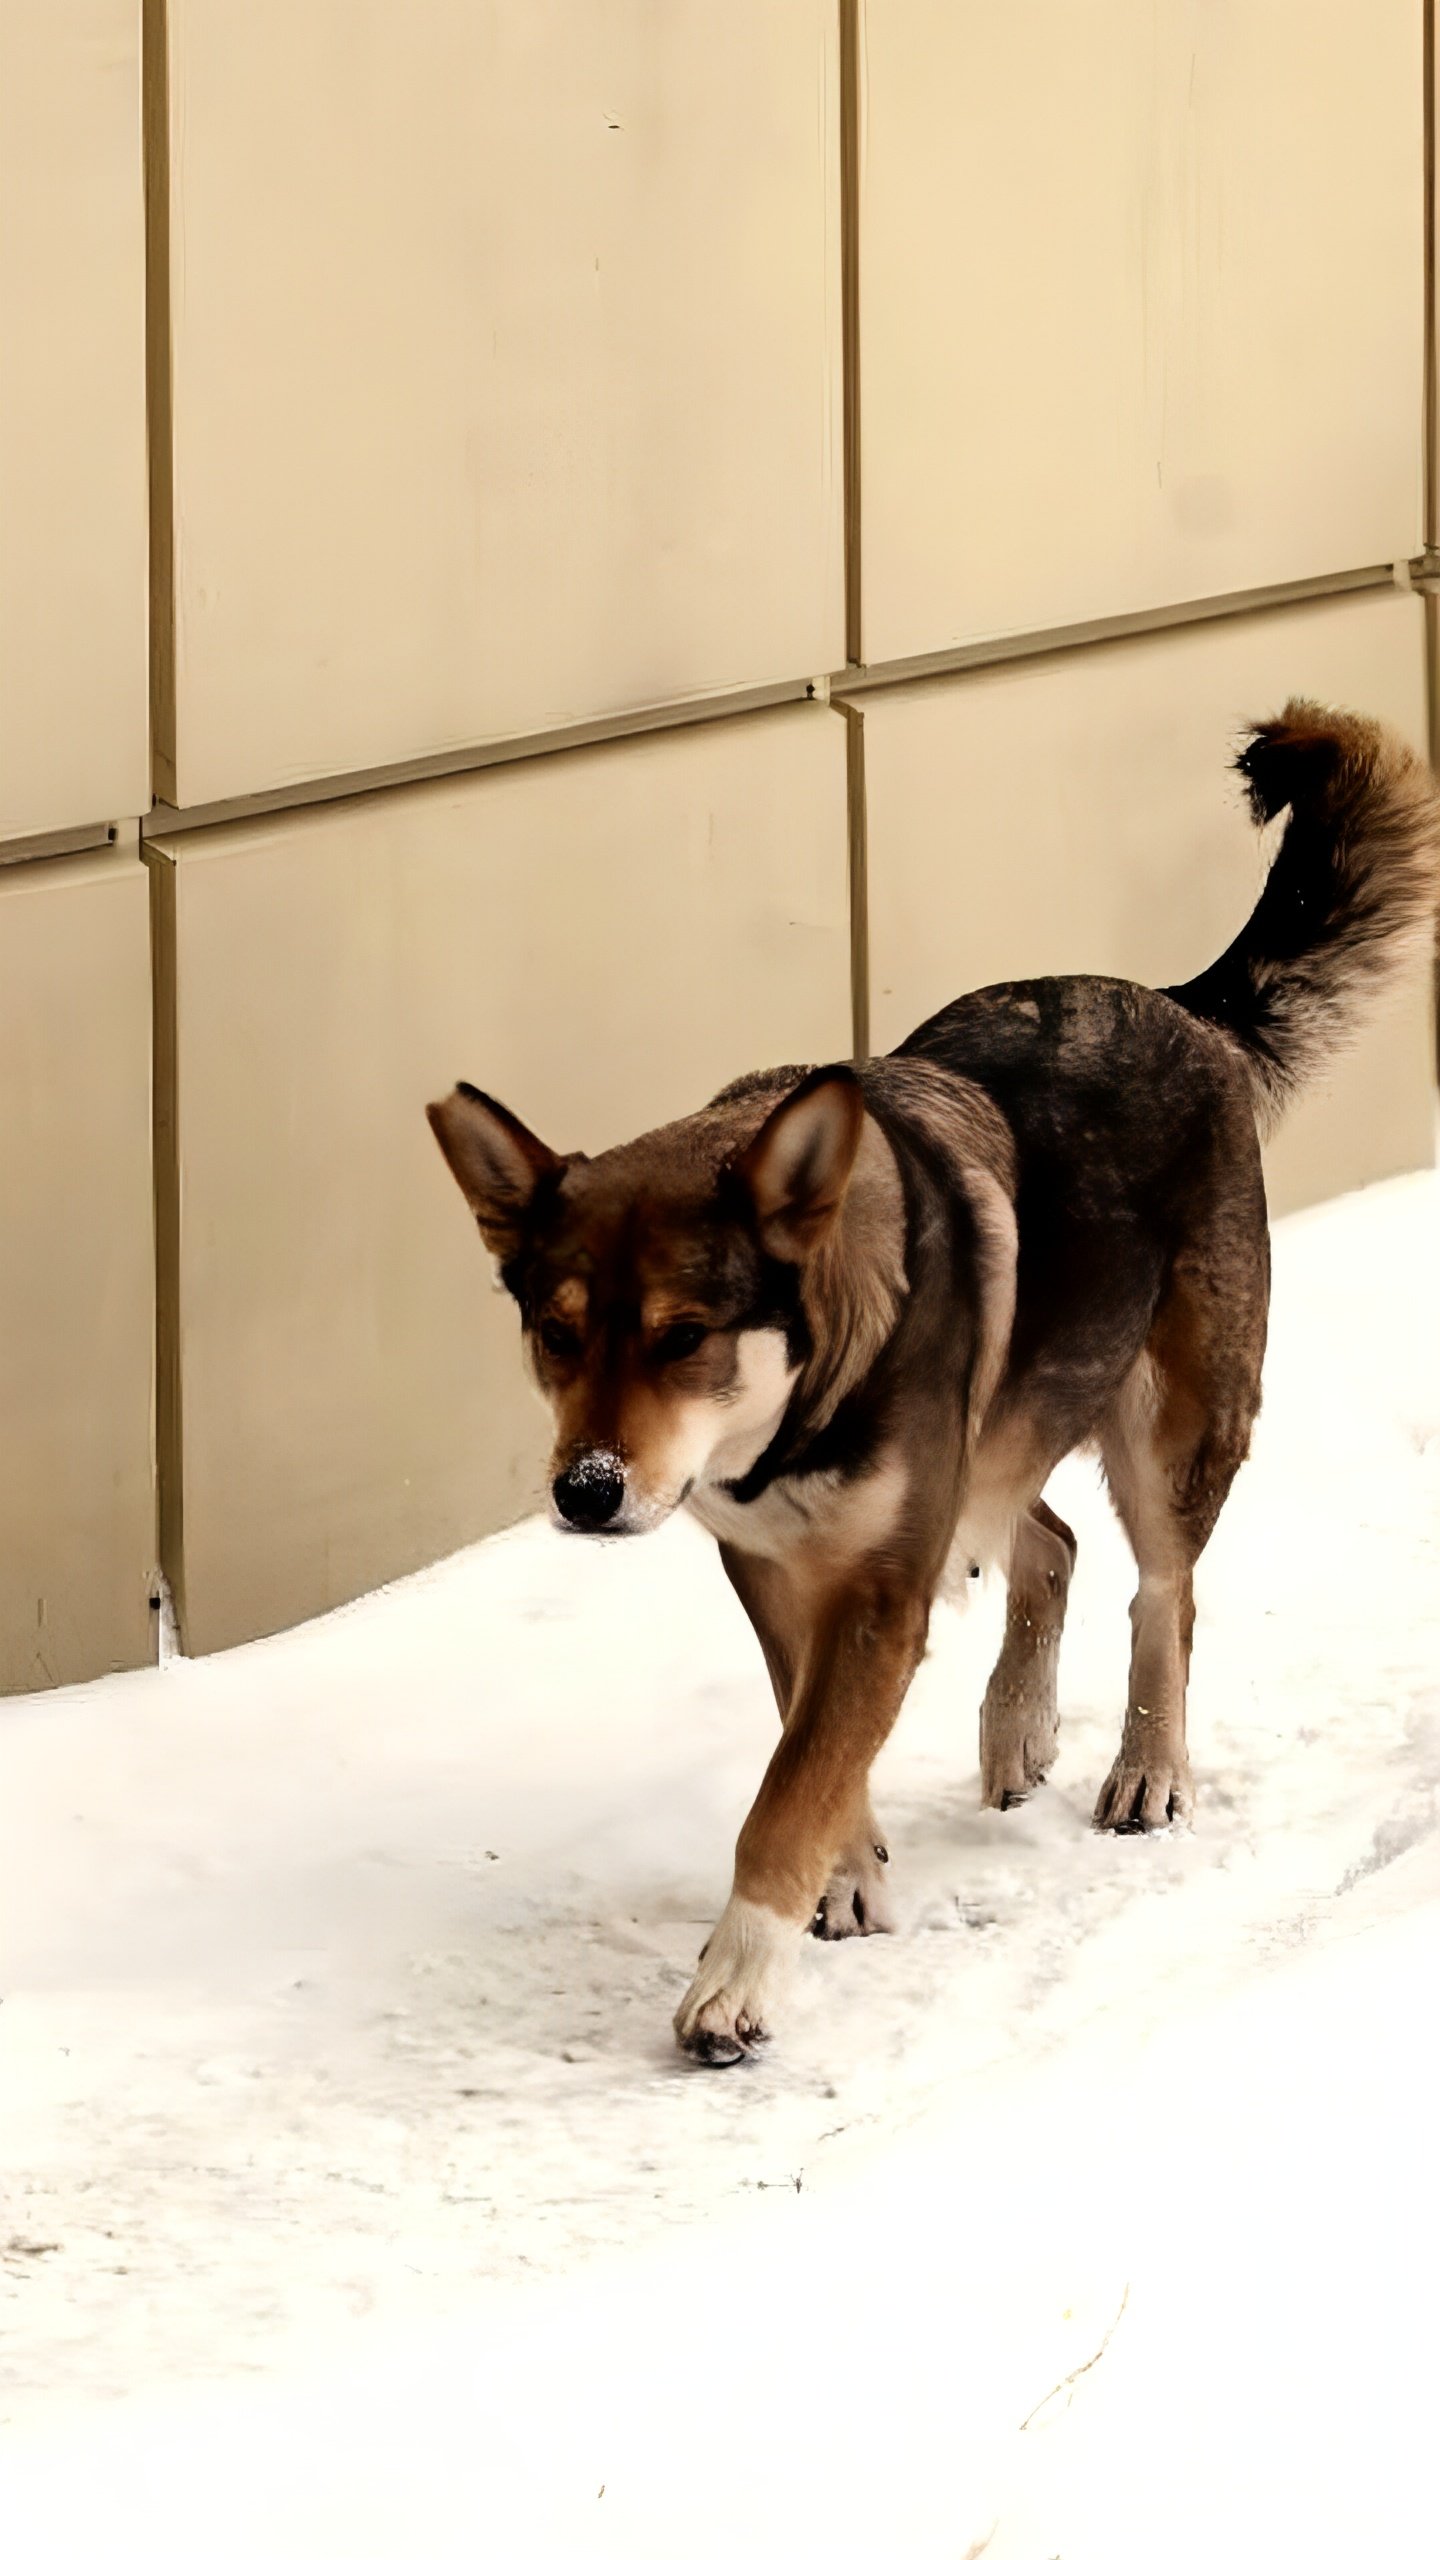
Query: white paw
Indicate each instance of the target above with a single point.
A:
(856, 1902)
(729, 2006)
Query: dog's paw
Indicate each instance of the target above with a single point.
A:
(1145, 1793)
(729, 2008)
(1015, 1753)
(856, 1903)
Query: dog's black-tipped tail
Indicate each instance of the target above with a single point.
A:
(1352, 887)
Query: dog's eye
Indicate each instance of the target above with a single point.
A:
(560, 1340)
(679, 1340)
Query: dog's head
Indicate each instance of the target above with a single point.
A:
(662, 1286)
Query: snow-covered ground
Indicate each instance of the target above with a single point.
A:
(355, 2202)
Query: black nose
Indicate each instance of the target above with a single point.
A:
(591, 1491)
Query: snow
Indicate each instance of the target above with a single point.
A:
(354, 2200)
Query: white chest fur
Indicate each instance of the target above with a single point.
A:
(837, 1518)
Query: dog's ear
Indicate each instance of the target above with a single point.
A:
(797, 1168)
(495, 1159)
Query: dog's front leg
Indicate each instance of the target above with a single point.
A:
(852, 1672)
(856, 1900)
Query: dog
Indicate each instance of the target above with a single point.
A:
(851, 1317)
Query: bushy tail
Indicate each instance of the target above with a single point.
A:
(1354, 884)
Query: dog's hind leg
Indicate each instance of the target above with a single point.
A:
(1179, 1432)
(1150, 1782)
(1019, 1720)
(856, 1902)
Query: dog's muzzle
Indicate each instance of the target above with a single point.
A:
(589, 1493)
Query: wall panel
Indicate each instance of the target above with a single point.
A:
(1076, 813)
(506, 370)
(77, 1304)
(73, 564)
(600, 938)
(1140, 298)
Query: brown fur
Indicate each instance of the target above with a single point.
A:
(852, 1286)
(853, 1319)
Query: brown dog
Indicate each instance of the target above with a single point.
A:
(854, 1316)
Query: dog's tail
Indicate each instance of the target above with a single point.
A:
(1354, 883)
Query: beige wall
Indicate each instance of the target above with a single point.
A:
(516, 370)
(1140, 305)
(77, 1482)
(72, 418)
(1076, 812)
(602, 939)
(506, 370)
